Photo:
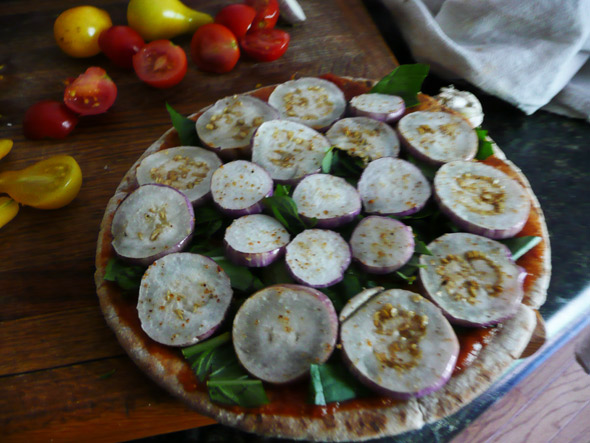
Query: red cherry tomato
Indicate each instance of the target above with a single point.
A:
(237, 18)
(265, 45)
(267, 13)
(91, 93)
(160, 64)
(49, 119)
(214, 48)
(120, 44)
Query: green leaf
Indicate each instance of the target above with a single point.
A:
(404, 81)
(282, 190)
(485, 148)
(245, 393)
(327, 160)
(429, 171)
(421, 248)
(107, 374)
(284, 209)
(241, 278)
(128, 277)
(331, 382)
(521, 245)
(193, 351)
(185, 127)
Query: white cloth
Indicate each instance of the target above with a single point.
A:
(530, 53)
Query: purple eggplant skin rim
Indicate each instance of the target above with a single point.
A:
(323, 285)
(331, 222)
(420, 156)
(473, 228)
(178, 247)
(391, 118)
(410, 211)
(253, 259)
(441, 381)
(256, 208)
(333, 321)
(381, 270)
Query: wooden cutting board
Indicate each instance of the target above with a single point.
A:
(63, 374)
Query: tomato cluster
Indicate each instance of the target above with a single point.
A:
(216, 47)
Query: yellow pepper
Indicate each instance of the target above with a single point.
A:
(8, 210)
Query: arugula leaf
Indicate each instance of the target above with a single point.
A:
(429, 171)
(421, 248)
(241, 278)
(185, 127)
(405, 81)
(521, 245)
(245, 393)
(284, 209)
(207, 222)
(341, 164)
(128, 277)
(331, 382)
(485, 148)
(282, 190)
(207, 345)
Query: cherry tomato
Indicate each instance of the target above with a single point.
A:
(91, 93)
(48, 184)
(8, 210)
(49, 119)
(237, 18)
(76, 30)
(267, 13)
(214, 48)
(265, 45)
(160, 64)
(120, 44)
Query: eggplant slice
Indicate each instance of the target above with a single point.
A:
(282, 329)
(481, 199)
(437, 137)
(383, 107)
(186, 168)
(183, 298)
(472, 279)
(152, 221)
(364, 137)
(398, 343)
(311, 101)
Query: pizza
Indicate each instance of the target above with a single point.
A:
(482, 352)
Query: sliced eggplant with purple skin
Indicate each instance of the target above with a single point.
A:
(318, 258)
(473, 279)
(311, 101)
(255, 240)
(398, 344)
(391, 186)
(383, 107)
(364, 137)
(228, 125)
(287, 150)
(186, 168)
(331, 200)
(239, 187)
(381, 245)
(183, 299)
(281, 330)
(152, 221)
(481, 199)
(437, 137)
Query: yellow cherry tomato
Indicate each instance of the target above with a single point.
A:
(5, 147)
(8, 210)
(76, 30)
(48, 184)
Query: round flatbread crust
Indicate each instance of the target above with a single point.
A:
(169, 370)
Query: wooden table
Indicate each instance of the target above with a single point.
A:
(64, 377)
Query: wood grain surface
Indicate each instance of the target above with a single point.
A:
(63, 376)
